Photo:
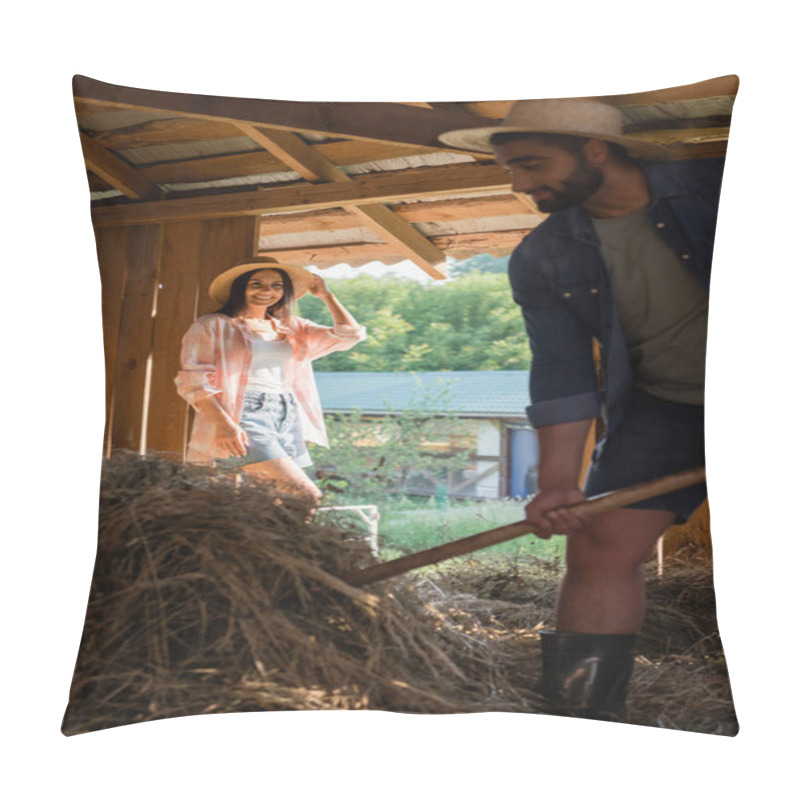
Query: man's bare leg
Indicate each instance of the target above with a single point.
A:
(603, 590)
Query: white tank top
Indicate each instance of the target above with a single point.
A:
(266, 368)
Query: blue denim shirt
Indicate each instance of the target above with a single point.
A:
(560, 280)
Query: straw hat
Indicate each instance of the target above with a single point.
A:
(587, 118)
(220, 288)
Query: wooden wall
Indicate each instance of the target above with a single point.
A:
(155, 280)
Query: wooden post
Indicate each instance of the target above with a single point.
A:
(193, 253)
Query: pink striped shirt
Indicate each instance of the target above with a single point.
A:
(215, 360)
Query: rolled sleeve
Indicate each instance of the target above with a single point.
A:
(320, 340)
(563, 376)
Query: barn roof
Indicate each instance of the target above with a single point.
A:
(340, 182)
(499, 393)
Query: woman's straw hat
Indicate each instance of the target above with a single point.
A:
(589, 119)
(220, 288)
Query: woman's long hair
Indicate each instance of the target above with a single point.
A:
(236, 303)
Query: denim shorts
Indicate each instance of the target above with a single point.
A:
(655, 438)
(272, 425)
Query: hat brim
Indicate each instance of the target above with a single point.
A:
(477, 140)
(220, 288)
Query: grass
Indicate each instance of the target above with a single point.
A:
(408, 525)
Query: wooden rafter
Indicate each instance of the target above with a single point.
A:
(333, 219)
(361, 190)
(498, 243)
(385, 122)
(255, 162)
(311, 165)
(116, 172)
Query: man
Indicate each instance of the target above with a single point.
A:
(622, 261)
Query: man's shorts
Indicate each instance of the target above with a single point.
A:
(655, 438)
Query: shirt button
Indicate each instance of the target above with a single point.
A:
(594, 291)
(567, 294)
(685, 256)
(661, 225)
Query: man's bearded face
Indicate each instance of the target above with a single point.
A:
(555, 178)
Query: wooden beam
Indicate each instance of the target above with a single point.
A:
(433, 211)
(175, 130)
(256, 162)
(725, 86)
(362, 190)
(498, 243)
(115, 171)
(302, 158)
(385, 122)
(290, 149)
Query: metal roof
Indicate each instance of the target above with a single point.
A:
(336, 183)
(500, 393)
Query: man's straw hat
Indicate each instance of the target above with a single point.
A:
(589, 119)
(220, 288)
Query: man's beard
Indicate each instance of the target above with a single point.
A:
(577, 188)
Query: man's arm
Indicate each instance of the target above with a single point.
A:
(561, 450)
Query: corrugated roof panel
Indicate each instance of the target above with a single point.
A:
(496, 393)
(286, 241)
(409, 162)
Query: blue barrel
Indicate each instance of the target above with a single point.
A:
(524, 459)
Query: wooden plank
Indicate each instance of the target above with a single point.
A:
(465, 245)
(387, 122)
(296, 154)
(725, 86)
(193, 254)
(167, 419)
(115, 171)
(383, 188)
(433, 211)
(176, 130)
(423, 252)
(292, 151)
(112, 258)
(330, 255)
(135, 338)
(498, 243)
(256, 162)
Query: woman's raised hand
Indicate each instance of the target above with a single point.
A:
(318, 287)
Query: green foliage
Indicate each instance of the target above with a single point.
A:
(470, 323)
(405, 530)
(368, 460)
(482, 263)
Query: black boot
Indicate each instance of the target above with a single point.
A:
(586, 674)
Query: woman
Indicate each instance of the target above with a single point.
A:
(246, 370)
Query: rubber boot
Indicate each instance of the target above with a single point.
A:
(586, 674)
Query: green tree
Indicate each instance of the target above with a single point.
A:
(469, 323)
(369, 459)
(481, 263)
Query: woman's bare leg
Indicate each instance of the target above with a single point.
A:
(287, 476)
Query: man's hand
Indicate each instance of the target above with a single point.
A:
(232, 439)
(546, 521)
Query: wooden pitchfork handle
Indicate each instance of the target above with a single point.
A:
(469, 544)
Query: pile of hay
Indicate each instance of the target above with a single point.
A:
(680, 679)
(208, 598)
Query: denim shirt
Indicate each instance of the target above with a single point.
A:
(561, 282)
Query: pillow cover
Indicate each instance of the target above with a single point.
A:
(215, 593)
